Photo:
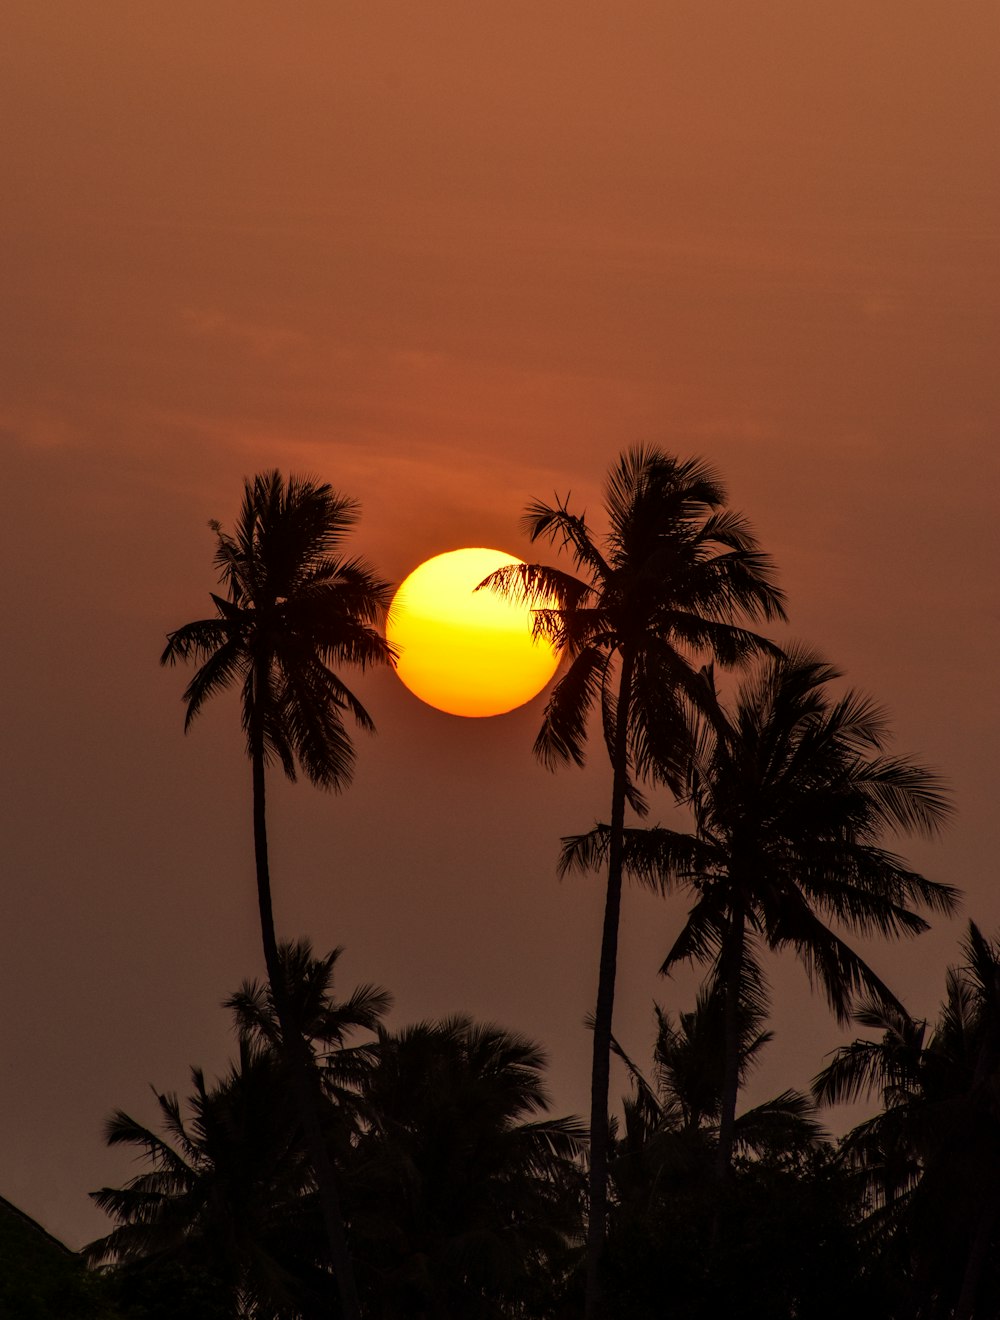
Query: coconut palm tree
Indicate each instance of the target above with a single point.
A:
(294, 607)
(685, 1095)
(931, 1156)
(230, 1189)
(786, 1197)
(224, 1194)
(790, 794)
(469, 1193)
(677, 578)
(671, 1121)
(340, 1069)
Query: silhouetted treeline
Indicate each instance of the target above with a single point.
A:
(465, 1198)
(344, 1169)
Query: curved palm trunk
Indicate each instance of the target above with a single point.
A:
(601, 1069)
(732, 971)
(297, 1057)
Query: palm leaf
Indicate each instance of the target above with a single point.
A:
(557, 525)
(563, 734)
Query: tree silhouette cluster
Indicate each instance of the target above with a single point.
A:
(344, 1169)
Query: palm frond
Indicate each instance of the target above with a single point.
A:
(657, 858)
(537, 586)
(841, 973)
(563, 734)
(644, 1095)
(905, 795)
(557, 525)
(731, 645)
(121, 1129)
(702, 936)
(783, 1122)
(308, 713)
(196, 641)
(221, 670)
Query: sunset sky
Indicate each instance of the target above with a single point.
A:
(450, 257)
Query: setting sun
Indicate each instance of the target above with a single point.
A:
(462, 651)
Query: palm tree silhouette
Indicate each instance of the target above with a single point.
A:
(784, 1203)
(931, 1157)
(470, 1192)
(224, 1191)
(685, 1095)
(294, 607)
(664, 1152)
(230, 1188)
(340, 1070)
(676, 577)
(790, 794)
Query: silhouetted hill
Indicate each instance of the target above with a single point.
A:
(40, 1278)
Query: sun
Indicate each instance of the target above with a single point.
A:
(462, 651)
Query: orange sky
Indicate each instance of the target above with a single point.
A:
(450, 257)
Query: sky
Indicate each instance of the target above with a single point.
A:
(451, 258)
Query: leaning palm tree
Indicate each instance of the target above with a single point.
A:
(677, 578)
(294, 607)
(790, 794)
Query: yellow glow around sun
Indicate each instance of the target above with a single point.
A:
(462, 651)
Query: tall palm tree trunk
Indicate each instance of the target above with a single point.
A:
(600, 1078)
(298, 1061)
(732, 971)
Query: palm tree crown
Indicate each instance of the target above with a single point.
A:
(294, 606)
(222, 1192)
(677, 576)
(229, 1190)
(469, 1190)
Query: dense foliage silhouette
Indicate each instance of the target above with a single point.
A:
(464, 1197)
(931, 1157)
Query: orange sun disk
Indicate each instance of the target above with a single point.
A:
(462, 651)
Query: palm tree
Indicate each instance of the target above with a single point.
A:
(785, 1191)
(931, 1156)
(324, 1022)
(294, 607)
(790, 794)
(671, 1122)
(223, 1195)
(469, 1193)
(685, 1095)
(230, 1189)
(676, 578)
(339, 1070)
